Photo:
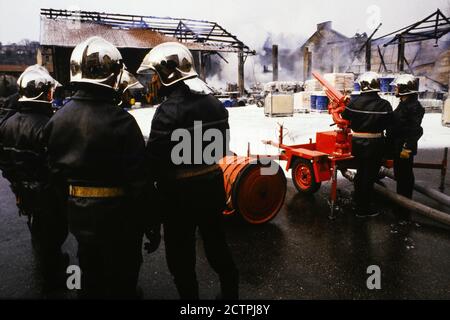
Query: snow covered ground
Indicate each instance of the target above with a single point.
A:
(249, 125)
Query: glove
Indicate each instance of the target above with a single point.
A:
(347, 99)
(405, 154)
(154, 239)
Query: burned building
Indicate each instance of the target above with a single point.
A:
(134, 36)
(422, 49)
(328, 51)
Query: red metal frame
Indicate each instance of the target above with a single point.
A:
(323, 156)
(332, 149)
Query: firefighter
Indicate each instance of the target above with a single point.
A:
(24, 165)
(192, 192)
(9, 97)
(127, 83)
(404, 134)
(369, 117)
(96, 152)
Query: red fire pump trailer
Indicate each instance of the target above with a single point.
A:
(319, 161)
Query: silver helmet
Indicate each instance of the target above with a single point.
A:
(127, 81)
(173, 62)
(96, 61)
(406, 84)
(369, 82)
(36, 67)
(36, 85)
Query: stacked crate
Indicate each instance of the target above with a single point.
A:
(312, 85)
(279, 105)
(302, 102)
(344, 82)
(432, 105)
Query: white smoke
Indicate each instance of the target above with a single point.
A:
(288, 55)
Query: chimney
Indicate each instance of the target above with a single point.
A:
(327, 25)
(274, 62)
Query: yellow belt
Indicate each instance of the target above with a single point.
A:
(367, 135)
(95, 192)
(189, 173)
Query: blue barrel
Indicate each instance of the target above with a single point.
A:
(227, 103)
(385, 84)
(356, 86)
(322, 103)
(313, 102)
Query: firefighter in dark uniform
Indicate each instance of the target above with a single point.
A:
(369, 117)
(9, 97)
(127, 83)
(96, 153)
(23, 163)
(192, 191)
(404, 134)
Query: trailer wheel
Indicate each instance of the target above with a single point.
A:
(303, 176)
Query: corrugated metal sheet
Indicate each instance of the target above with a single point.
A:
(67, 33)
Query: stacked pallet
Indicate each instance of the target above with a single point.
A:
(279, 105)
(312, 85)
(302, 101)
(446, 113)
(432, 105)
(341, 81)
(283, 86)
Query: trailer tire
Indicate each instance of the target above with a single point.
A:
(303, 176)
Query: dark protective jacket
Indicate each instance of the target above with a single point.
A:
(22, 152)
(23, 163)
(406, 128)
(179, 111)
(368, 113)
(92, 140)
(8, 107)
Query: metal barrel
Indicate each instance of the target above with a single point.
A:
(385, 84)
(322, 103)
(256, 196)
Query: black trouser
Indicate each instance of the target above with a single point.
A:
(404, 175)
(197, 203)
(48, 226)
(368, 154)
(109, 246)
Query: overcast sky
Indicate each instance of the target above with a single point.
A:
(250, 20)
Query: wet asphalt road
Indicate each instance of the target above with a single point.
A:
(301, 254)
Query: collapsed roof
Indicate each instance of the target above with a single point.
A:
(68, 28)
